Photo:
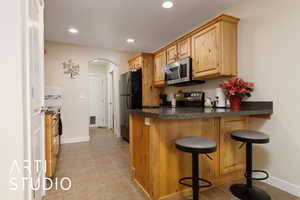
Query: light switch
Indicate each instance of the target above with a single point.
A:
(82, 95)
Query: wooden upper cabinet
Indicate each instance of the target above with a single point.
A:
(172, 54)
(145, 62)
(214, 50)
(232, 157)
(179, 51)
(130, 66)
(150, 93)
(138, 62)
(206, 52)
(135, 63)
(184, 48)
(159, 65)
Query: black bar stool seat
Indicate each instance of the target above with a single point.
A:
(250, 136)
(248, 191)
(196, 146)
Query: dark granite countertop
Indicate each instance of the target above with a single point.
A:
(247, 108)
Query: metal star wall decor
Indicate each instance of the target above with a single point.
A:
(71, 69)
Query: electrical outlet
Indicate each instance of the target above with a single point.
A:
(147, 121)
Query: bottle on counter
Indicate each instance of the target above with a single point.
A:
(173, 101)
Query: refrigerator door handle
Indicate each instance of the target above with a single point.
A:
(126, 102)
(128, 86)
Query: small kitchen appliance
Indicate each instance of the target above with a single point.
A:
(180, 73)
(190, 99)
(220, 101)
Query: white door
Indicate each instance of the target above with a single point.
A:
(98, 95)
(35, 61)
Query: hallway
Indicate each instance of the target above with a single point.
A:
(99, 170)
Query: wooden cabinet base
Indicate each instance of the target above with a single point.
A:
(51, 143)
(157, 165)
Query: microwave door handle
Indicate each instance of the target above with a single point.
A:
(178, 71)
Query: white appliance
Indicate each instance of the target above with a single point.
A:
(53, 97)
(220, 98)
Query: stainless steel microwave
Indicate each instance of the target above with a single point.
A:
(179, 72)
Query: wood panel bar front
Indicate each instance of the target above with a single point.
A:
(157, 165)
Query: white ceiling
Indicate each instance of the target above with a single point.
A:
(107, 24)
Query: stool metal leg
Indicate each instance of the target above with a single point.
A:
(249, 164)
(195, 167)
(248, 191)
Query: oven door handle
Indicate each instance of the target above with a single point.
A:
(178, 71)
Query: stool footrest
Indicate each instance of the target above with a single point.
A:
(259, 171)
(208, 183)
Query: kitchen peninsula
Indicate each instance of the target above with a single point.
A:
(157, 165)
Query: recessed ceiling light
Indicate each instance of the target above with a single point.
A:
(73, 30)
(130, 40)
(167, 4)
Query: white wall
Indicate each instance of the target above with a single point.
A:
(97, 68)
(269, 56)
(75, 110)
(11, 87)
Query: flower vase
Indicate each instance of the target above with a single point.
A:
(235, 102)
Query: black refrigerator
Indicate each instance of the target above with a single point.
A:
(130, 98)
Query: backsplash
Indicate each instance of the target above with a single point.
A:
(208, 87)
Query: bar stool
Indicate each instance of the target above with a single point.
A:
(196, 146)
(248, 191)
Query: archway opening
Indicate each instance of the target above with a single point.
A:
(103, 76)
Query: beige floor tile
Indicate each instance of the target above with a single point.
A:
(100, 170)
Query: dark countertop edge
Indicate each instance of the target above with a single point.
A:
(255, 108)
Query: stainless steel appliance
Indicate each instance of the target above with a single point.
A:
(178, 72)
(130, 98)
(190, 99)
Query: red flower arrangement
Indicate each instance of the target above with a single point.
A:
(236, 89)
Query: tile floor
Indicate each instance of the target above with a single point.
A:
(99, 170)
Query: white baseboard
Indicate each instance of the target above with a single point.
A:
(284, 185)
(75, 140)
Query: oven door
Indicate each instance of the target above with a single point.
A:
(178, 72)
(172, 73)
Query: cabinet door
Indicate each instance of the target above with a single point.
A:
(150, 93)
(232, 157)
(205, 48)
(139, 144)
(184, 48)
(159, 65)
(138, 63)
(130, 66)
(172, 54)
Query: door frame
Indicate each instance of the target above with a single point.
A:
(98, 75)
(27, 78)
(110, 99)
